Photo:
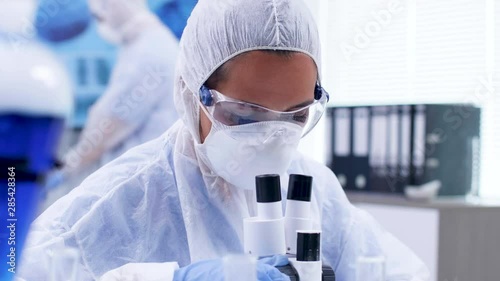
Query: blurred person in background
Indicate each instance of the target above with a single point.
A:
(137, 105)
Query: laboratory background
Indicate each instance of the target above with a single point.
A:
(411, 129)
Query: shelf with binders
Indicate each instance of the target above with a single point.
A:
(386, 148)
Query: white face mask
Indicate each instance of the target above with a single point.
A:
(239, 153)
(109, 34)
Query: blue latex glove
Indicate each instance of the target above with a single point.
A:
(213, 270)
(266, 269)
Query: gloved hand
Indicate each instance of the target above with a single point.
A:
(213, 270)
(267, 271)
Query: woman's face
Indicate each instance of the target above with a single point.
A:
(277, 82)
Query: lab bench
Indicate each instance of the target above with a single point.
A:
(458, 238)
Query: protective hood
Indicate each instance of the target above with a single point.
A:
(121, 20)
(219, 30)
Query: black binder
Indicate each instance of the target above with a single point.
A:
(451, 144)
(386, 148)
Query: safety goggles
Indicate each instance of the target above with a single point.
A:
(231, 112)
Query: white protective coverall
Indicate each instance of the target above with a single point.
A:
(137, 106)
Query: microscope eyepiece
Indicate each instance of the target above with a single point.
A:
(268, 188)
(299, 188)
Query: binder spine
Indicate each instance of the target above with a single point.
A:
(386, 148)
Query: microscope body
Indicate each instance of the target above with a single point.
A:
(271, 233)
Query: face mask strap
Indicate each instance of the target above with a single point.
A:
(206, 99)
(215, 123)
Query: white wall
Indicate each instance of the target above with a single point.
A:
(425, 51)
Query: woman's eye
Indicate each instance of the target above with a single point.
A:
(301, 117)
(243, 110)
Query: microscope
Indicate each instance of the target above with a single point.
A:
(271, 233)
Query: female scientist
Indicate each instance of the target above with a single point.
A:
(247, 89)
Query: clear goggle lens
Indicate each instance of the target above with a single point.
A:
(232, 112)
